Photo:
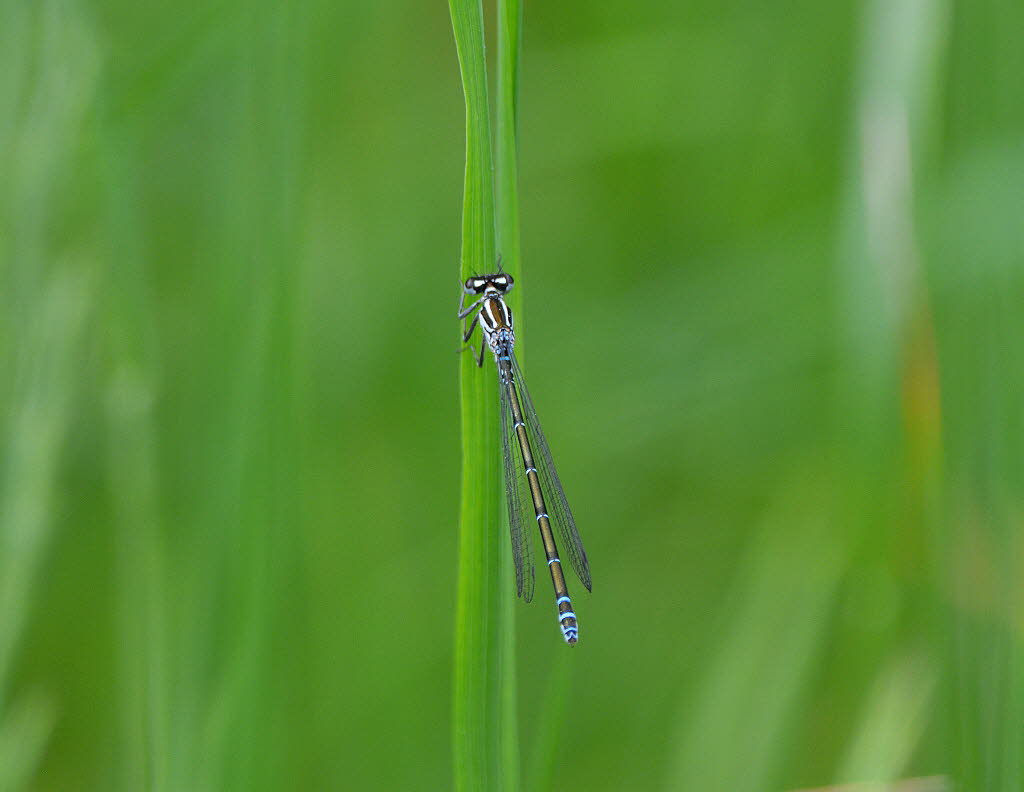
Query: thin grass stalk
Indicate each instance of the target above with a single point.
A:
(887, 339)
(510, 17)
(481, 650)
(44, 371)
(506, 194)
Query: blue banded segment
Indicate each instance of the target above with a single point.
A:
(570, 631)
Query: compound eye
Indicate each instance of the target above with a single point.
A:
(502, 282)
(474, 285)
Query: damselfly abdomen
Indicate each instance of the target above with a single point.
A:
(530, 476)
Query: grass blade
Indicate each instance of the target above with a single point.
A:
(510, 16)
(44, 372)
(895, 716)
(506, 196)
(748, 703)
(483, 644)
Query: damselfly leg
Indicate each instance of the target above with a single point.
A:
(468, 330)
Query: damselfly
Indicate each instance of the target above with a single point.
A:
(532, 477)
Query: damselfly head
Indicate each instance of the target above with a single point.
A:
(478, 284)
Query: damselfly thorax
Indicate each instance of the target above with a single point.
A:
(496, 323)
(533, 479)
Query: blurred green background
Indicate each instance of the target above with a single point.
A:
(773, 270)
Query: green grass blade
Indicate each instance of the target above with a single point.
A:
(482, 644)
(894, 719)
(510, 16)
(748, 703)
(506, 195)
(478, 201)
(44, 371)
